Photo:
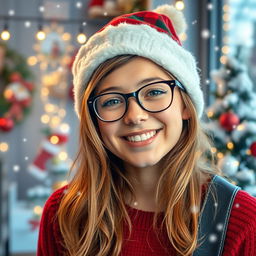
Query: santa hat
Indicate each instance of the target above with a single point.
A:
(149, 34)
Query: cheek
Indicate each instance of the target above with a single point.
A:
(106, 131)
(171, 118)
(173, 123)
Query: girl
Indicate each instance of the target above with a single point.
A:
(143, 184)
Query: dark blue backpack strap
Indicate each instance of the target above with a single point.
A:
(214, 217)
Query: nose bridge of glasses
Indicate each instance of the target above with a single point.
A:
(134, 113)
(132, 95)
(129, 95)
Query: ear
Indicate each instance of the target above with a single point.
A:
(186, 114)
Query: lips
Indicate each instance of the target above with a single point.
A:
(141, 137)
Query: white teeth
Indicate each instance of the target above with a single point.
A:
(142, 137)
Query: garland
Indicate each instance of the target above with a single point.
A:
(15, 89)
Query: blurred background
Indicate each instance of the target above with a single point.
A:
(39, 129)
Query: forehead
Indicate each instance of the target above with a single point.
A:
(131, 74)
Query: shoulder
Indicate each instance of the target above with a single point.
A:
(56, 197)
(52, 204)
(241, 231)
(244, 209)
(50, 239)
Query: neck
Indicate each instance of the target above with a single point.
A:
(144, 182)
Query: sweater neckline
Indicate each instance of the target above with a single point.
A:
(144, 219)
(132, 209)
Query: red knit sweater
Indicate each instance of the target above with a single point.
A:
(240, 239)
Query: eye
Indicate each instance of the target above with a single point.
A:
(112, 102)
(155, 92)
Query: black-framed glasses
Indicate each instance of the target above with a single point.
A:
(154, 97)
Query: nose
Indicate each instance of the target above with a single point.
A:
(134, 114)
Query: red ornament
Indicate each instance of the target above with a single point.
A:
(253, 149)
(15, 77)
(229, 121)
(6, 124)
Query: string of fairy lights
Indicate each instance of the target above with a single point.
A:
(40, 34)
(10, 16)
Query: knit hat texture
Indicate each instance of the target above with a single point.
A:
(149, 34)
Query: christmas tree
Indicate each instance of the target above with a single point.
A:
(233, 124)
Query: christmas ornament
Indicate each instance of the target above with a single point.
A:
(19, 97)
(229, 121)
(228, 164)
(253, 149)
(49, 148)
(6, 124)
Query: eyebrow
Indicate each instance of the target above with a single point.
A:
(140, 83)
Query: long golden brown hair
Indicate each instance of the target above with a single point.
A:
(92, 212)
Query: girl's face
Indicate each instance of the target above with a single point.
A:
(158, 132)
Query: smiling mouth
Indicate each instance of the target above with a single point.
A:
(141, 137)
